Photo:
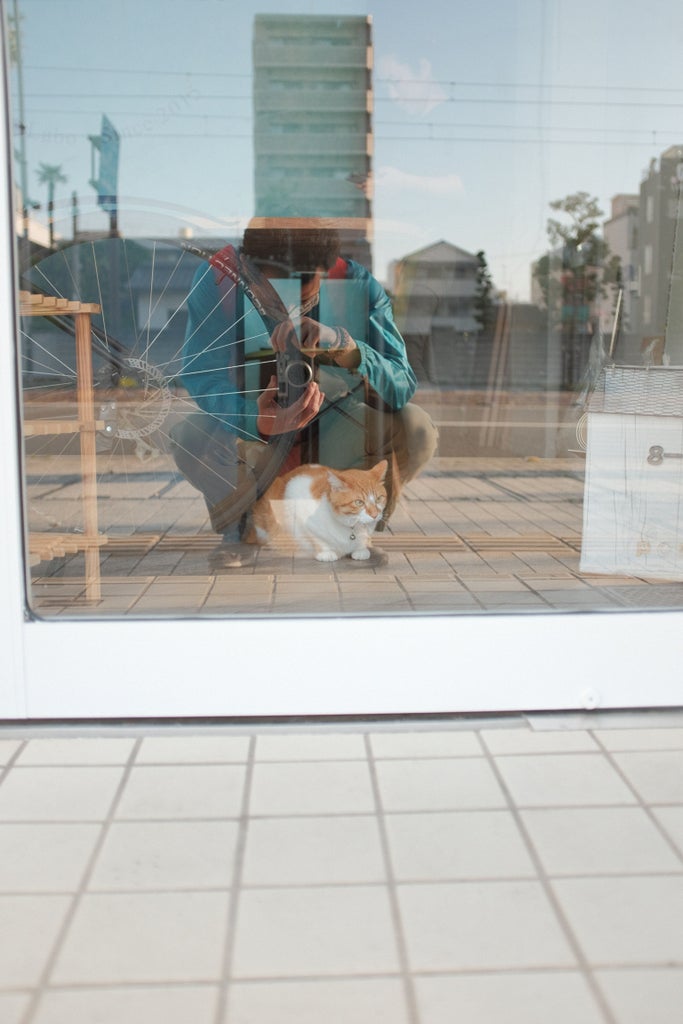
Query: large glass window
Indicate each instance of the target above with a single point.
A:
(348, 309)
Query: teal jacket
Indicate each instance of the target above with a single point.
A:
(213, 352)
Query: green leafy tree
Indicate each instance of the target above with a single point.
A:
(574, 275)
(484, 305)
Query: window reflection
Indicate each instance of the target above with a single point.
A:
(506, 273)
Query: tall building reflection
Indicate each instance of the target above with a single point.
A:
(313, 122)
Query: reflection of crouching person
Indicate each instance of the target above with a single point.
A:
(360, 399)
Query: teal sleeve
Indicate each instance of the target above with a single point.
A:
(213, 354)
(384, 360)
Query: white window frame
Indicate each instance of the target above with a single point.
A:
(419, 664)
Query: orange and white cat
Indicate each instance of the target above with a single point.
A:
(324, 512)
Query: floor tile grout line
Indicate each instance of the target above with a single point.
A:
(415, 882)
(80, 891)
(425, 972)
(546, 884)
(12, 760)
(400, 812)
(399, 932)
(645, 805)
(232, 921)
(138, 597)
(108, 986)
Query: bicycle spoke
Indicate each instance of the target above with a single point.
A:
(138, 389)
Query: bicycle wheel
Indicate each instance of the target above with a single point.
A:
(141, 287)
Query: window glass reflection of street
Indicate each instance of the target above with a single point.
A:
(508, 218)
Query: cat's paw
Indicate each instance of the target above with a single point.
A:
(361, 554)
(327, 556)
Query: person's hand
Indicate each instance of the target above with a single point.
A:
(314, 335)
(273, 419)
(313, 338)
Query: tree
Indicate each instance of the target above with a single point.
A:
(50, 175)
(584, 221)
(484, 307)
(573, 276)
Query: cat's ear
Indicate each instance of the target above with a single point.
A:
(380, 470)
(335, 483)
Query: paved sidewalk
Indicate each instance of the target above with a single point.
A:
(491, 871)
(469, 535)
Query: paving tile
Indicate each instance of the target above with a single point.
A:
(178, 1004)
(29, 926)
(625, 921)
(44, 858)
(640, 739)
(657, 775)
(492, 586)
(242, 586)
(316, 931)
(438, 784)
(160, 604)
(183, 791)
(170, 587)
(166, 855)
(430, 743)
(477, 925)
(551, 583)
(519, 602)
(58, 794)
(13, 1008)
(528, 998)
(563, 779)
(526, 741)
(311, 851)
(376, 604)
(309, 746)
(671, 818)
(424, 585)
(76, 750)
(146, 937)
(126, 585)
(450, 846)
(295, 586)
(303, 603)
(217, 605)
(576, 600)
(361, 1001)
(653, 996)
(323, 787)
(457, 602)
(193, 749)
(7, 750)
(606, 840)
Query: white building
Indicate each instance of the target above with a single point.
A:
(434, 293)
(621, 235)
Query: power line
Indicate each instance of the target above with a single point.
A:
(426, 125)
(603, 104)
(454, 83)
(73, 111)
(143, 133)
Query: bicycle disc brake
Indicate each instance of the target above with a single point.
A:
(139, 403)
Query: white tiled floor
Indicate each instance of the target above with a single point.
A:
(517, 870)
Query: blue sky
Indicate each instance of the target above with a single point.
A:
(484, 113)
